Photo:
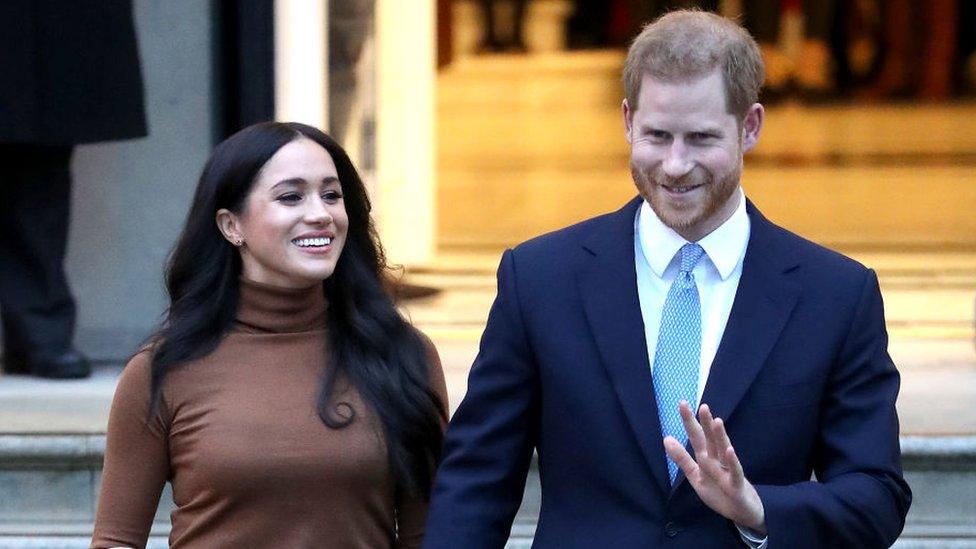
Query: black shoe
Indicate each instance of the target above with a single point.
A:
(517, 47)
(15, 364)
(489, 46)
(69, 364)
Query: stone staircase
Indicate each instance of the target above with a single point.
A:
(49, 482)
(48, 490)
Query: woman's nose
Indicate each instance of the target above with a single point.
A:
(317, 212)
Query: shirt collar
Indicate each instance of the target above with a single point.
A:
(725, 246)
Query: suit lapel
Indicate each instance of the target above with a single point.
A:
(608, 288)
(763, 303)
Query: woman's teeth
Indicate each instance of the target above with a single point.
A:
(309, 242)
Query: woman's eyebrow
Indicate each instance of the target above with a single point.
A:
(300, 182)
(295, 181)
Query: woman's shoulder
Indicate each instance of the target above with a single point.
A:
(135, 381)
(425, 340)
(141, 359)
(179, 378)
(429, 347)
(435, 370)
(138, 369)
(133, 391)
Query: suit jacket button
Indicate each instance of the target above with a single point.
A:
(671, 529)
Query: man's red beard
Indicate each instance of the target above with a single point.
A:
(717, 193)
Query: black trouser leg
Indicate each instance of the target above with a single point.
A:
(518, 24)
(489, 38)
(36, 306)
(762, 18)
(818, 19)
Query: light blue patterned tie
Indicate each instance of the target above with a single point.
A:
(678, 350)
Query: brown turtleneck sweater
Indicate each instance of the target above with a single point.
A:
(251, 463)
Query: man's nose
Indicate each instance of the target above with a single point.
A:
(676, 162)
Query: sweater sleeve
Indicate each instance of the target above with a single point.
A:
(412, 513)
(136, 462)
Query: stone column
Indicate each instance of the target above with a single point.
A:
(381, 108)
(301, 61)
(352, 62)
(405, 144)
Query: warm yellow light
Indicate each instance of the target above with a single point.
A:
(405, 174)
(301, 80)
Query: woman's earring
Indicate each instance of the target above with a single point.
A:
(239, 242)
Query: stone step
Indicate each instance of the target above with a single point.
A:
(49, 485)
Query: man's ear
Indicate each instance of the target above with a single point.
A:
(230, 226)
(751, 126)
(628, 120)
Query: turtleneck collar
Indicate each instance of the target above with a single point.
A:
(272, 309)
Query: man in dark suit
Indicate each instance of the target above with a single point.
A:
(70, 76)
(606, 335)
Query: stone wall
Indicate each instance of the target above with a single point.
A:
(130, 198)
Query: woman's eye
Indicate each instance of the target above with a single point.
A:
(331, 196)
(290, 197)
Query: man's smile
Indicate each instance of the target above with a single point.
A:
(681, 190)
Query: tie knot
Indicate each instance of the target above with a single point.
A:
(690, 254)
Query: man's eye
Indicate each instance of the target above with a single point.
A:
(701, 136)
(658, 135)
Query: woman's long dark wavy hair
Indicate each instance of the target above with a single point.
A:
(370, 343)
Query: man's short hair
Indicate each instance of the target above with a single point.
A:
(688, 44)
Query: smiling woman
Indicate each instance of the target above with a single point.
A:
(293, 225)
(284, 397)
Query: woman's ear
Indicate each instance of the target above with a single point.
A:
(230, 226)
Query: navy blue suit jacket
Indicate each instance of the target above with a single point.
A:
(802, 378)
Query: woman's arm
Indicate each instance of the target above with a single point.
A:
(411, 514)
(136, 462)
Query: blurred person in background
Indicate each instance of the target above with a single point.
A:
(601, 24)
(920, 48)
(588, 24)
(644, 11)
(70, 76)
(967, 47)
(497, 38)
(811, 73)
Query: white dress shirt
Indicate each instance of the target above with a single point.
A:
(717, 277)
